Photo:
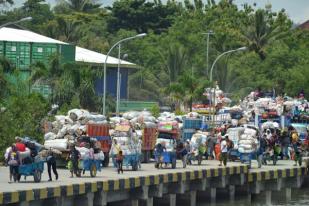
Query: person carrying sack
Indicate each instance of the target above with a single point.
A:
(51, 164)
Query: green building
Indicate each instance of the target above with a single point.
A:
(23, 48)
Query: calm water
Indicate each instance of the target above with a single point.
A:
(300, 197)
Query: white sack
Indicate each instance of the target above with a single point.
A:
(59, 144)
(99, 156)
(49, 136)
(23, 155)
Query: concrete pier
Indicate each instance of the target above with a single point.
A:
(150, 186)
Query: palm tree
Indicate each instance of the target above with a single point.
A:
(262, 32)
(82, 5)
(187, 88)
(67, 81)
(175, 60)
(69, 29)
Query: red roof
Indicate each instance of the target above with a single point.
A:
(304, 25)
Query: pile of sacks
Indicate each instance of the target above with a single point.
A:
(135, 118)
(260, 105)
(269, 124)
(166, 116)
(31, 152)
(89, 148)
(248, 141)
(66, 129)
(128, 141)
(128, 145)
(199, 138)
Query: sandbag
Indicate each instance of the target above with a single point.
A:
(84, 152)
(77, 114)
(149, 119)
(149, 125)
(99, 156)
(25, 154)
(246, 142)
(59, 144)
(62, 132)
(49, 136)
(130, 115)
(250, 132)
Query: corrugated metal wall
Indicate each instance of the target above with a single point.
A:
(111, 85)
(23, 54)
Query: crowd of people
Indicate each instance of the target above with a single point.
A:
(284, 143)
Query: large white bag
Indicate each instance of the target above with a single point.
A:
(84, 152)
(59, 144)
(99, 156)
(49, 136)
(23, 155)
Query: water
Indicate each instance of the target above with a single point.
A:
(300, 197)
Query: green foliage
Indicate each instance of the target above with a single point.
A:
(172, 58)
(155, 110)
(142, 16)
(22, 117)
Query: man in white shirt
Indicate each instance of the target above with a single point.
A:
(224, 150)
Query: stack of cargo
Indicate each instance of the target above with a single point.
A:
(28, 152)
(67, 129)
(248, 141)
(191, 123)
(128, 144)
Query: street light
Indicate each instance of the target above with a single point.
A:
(29, 18)
(224, 53)
(119, 79)
(210, 78)
(210, 32)
(107, 55)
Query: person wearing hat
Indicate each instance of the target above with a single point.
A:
(224, 150)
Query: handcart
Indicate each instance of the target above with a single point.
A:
(34, 169)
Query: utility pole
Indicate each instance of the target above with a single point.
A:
(210, 32)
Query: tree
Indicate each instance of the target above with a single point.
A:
(5, 69)
(22, 117)
(82, 5)
(264, 30)
(39, 11)
(187, 89)
(174, 60)
(142, 16)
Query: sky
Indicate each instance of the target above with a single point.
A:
(298, 10)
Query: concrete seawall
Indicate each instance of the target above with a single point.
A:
(171, 186)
